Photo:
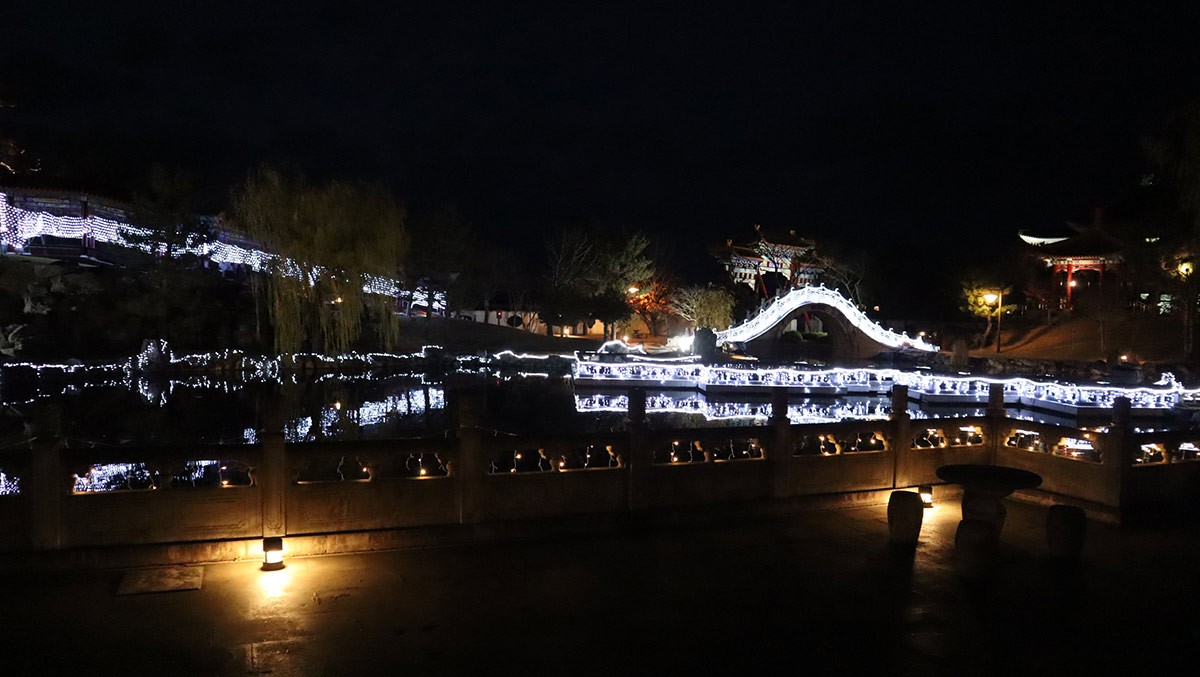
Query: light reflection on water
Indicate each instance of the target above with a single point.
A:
(328, 408)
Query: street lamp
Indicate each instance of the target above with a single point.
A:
(998, 299)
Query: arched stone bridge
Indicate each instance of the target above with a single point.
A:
(854, 334)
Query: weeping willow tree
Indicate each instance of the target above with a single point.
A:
(328, 239)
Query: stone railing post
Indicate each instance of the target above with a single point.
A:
(779, 451)
(468, 466)
(995, 420)
(272, 476)
(638, 457)
(1117, 454)
(48, 485)
(901, 442)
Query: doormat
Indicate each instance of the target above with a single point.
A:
(161, 579)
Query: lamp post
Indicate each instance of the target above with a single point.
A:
(998, 299)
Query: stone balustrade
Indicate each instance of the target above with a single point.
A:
(64, 498)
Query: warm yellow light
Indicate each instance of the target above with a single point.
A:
(926, 492)
(337, 406)
(423, 472)
(276, 584)
(1185, 268)
(272, 553)
(633, 290)
(990, 297)
(1072, 283)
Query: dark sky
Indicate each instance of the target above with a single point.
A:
(898, 127)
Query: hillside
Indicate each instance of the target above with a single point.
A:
(1141, 338)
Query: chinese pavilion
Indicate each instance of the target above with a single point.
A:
(1083, 255)
(748, 262)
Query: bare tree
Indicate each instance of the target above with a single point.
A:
(703, 306)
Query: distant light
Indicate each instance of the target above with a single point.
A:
(991, 297)
(1185, 268)
(1072, 283)
(633, 290)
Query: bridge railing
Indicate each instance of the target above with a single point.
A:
(68, 497)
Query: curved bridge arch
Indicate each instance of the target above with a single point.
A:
(798, 298)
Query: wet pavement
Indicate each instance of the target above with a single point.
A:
(811, 592)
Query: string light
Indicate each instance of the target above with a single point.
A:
(10, 485)
(807, 296)
(18, 226)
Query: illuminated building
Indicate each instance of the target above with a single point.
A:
(748, 262)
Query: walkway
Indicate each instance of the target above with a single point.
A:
(808, 593)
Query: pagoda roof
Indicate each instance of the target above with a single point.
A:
(1089, 242)
(750, 248)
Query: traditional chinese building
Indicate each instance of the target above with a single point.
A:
(1078, 257)
(749, 261)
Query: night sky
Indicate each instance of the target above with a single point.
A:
(931, 134)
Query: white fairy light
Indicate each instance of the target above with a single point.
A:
(18, 226)
(10, 485)
(808, 295)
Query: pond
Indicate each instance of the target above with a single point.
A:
(332, 406)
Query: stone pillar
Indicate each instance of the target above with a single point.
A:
(638, 456)
(468, 468)
(272, 475)
(1118, 454)
(996, 417)
(901, 442)
(49, 485)
(778, 450)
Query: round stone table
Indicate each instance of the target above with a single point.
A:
(984, 486)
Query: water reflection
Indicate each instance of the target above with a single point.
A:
(313, 408)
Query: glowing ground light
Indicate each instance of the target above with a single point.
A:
(272, 553)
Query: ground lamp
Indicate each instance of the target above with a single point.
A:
(926, 492)
(998, 299)
(272, 553)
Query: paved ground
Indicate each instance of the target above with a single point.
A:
(814, 592)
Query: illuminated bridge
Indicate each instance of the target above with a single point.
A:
(859, 334)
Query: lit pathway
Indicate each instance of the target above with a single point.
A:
(807, 593)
